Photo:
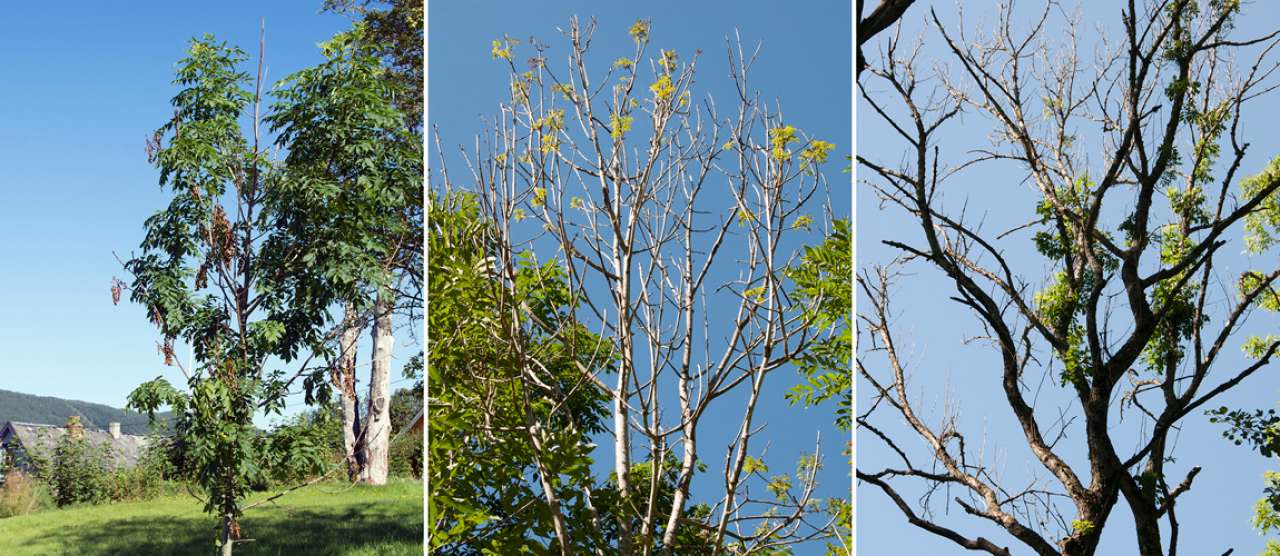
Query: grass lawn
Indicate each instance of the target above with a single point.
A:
(325, 518)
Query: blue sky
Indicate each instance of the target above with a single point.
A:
(805, 64)
(949, 373)
(84, 84)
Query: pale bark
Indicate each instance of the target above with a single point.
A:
(647, 244)
(227, 545)
(378, 413)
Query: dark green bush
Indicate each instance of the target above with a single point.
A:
(406, 451)
(406, 456)
(82, 472)
(313, 441)
(78, 472)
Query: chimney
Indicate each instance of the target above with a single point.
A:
(74, 428)
(115, 430)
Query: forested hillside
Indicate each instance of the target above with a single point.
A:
(16, 406)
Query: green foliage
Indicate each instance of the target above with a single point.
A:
(1261, 431)
(406, 453)
(405, 459)
(1260, 225)
(78, 471)
(395, 29)
(1059, 305)
(303, 447)
(1082, 526)
(480, 483)
(608, 500)
(823, 284)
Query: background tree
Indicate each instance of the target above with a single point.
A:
(392, 31)
(394, 28)
(351, 167)
(1133, 164)
(615, 172)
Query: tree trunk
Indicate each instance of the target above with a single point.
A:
(225, 548)
(378, 415)
(345, 381)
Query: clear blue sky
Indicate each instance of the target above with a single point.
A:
(931, 329)
(805, 63)
(83, 84)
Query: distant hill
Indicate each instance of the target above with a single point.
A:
(27, 408)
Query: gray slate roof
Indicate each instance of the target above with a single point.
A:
(40, 440)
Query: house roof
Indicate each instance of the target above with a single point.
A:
(40, 440)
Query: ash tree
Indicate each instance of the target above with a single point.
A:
(636, 247)
(251, 256)
(1109, 312)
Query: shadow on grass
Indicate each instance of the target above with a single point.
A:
(278, 530)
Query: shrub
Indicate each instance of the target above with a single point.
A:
(141, 482)
(406, 456)
(313, 442)
(78, 472)
(81, 472)
(21, 494)
(406, 452)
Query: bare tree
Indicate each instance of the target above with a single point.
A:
(671, 215)
(1133, 160)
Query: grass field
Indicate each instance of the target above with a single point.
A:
(324, 519)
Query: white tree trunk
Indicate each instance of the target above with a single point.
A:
(378, 415)
(345, 382)
(225, 548)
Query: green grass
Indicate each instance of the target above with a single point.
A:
(324, 519)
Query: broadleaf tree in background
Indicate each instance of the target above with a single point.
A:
(1132, 160)
(352, 165)
(393, 31)
(660, 210)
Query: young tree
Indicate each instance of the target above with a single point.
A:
(1134, 166)
(207, 276)
(661, 211)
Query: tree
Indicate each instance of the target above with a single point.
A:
(1133, 165)
(393, 32)
(885, 14)
(396, 32)
(352, 167)
(207, 276)
(660, 210)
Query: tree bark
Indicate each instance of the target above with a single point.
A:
(378, 414)
(226, 547)
(344, 380)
